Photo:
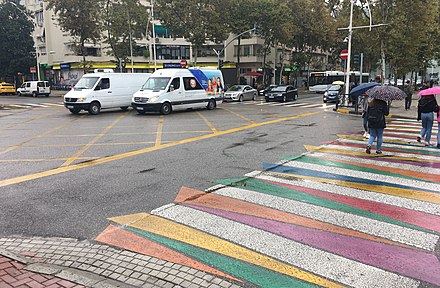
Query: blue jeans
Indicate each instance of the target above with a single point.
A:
(427, 123)
(376, 132)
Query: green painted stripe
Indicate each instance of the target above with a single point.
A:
(329, 163)
(283, 192)
(240, 269)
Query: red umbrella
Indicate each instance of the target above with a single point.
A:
(254, 74)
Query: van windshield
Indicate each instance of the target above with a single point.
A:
(86, 83)
(156, 83)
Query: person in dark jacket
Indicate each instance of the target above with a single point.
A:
(425, 112)
(376, 112)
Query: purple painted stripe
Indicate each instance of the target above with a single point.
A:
(412, 263)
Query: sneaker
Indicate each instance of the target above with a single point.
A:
(419, 139)
(368, 150)
(366, 135)
(378, 152)
(428, 144)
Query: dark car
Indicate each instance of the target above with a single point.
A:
(282, 93)
(332, 93)
(263, 91)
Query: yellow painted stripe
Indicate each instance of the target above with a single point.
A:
(400, 192)
(108, 159)
(94, 140)
(159, 131)
(358, 153)
(44, 159)
(213, 130)
(179, 232)
(238, 115)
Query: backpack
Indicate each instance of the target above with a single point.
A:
(375, 117)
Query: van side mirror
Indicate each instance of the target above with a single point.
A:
(98, 87)
(171, 88)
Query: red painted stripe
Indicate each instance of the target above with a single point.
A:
(421, 219)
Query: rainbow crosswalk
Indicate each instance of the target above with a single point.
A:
(332, 217)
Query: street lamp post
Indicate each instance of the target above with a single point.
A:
(32, 20)
(227, 44)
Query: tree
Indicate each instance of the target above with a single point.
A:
(125, 21)
(195, 20)
(17, 46)
(82, 19)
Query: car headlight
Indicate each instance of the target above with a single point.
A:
(153, 99)
(81, 100)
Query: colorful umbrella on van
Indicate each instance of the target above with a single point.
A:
(386, 93)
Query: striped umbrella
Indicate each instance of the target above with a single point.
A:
(386, 93)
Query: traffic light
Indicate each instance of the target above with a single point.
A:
(356, 60)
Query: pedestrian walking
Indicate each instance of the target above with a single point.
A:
(364, 117)
(408, 91)
(425, 112)
(376, 112)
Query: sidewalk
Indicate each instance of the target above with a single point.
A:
(60, 262)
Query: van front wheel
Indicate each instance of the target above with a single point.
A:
(211, 105)
(165, 109)
(94, 108)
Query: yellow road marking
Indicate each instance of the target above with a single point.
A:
(241, 116)
(88, 145)
(39, 136)
(45, 159)
(103, 160)
(207, 122)
(191, 236)
(159, 131)
(360, 138)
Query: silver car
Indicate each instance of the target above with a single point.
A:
(241, 93)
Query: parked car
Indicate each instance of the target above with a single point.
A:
(7, 88)
(34, 88)
(332, 93)
(282, 93)
(263, 91)
(241, 93)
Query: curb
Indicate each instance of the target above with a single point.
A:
(73, 275)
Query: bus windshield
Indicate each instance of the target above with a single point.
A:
(156, 83)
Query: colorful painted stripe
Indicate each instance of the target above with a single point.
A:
(408, 262)
(332, 266)
(212, 200)
(294, 168)
(346, 191)
(127, 240)
(390, 231)
(172, 230)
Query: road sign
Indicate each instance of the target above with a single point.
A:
(33, 70)
(183, 63)
(344, 54)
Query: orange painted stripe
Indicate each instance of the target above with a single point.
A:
(196, 197)
(419, 175)
(127, 240)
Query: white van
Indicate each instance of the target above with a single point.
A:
(96, 91)
(171, 89)
(34, 88)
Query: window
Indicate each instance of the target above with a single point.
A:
(191, 83)
(170, 52)
(175, 83)
(103, 84)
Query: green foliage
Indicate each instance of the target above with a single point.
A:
(81, 18)
(124, 20)
(16, 45)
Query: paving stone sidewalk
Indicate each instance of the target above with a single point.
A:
(63, 262)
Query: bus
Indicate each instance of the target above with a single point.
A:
(319, 81)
